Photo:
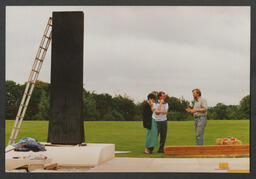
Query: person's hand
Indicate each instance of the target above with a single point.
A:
(161, 101)
(150, 102)
(193, 111)
(188, 109)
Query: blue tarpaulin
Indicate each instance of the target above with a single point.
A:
(32, 145)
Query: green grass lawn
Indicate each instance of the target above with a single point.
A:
(130, 136)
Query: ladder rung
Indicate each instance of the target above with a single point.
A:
(43, 48)
(31, 82)
(27, 94)
(16, 127)
(39, 59)
(47, 37)
(24, 105)
(35, 71)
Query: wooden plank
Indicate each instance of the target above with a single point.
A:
(209, 147)
(207, 150)
(206, 153)
(51, 166)
(35, 166)
(17, 147)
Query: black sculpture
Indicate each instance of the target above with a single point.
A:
(66, 120)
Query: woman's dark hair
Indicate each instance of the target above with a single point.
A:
(151, 96)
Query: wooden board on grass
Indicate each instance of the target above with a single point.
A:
(207, 150)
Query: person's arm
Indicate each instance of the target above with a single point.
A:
(151, 104)
(188, 109)
(202, 109)
(158, 110)
(160, 106)
(197, 110)
(154, 108)
(203, 106)
(165, 111)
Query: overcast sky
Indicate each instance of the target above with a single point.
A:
(135, 50)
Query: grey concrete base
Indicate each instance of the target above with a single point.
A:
(171, 165)
(77, 156)
(195, 165)
(100, 158)
(89, 156)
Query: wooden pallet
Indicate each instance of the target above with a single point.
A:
(210, 150)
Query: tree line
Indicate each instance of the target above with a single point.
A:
(104, 107)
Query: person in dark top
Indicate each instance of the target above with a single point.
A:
(150, 124)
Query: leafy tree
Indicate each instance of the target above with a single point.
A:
(13, 95)
(43, 107)
(233, 112)
(103, 104)
(210, 112)
(33, 107)
(113, 116)
(177, 104)
(177, 109)
(245, 107)
(175, 116)
(89, 109)
(117, 116)
(138, 117)
(220, 111)
(124, 106)
(118, 108)
(108, 117)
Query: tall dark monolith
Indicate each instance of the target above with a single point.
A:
(66, 120)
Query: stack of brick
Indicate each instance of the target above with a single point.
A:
(228, 141)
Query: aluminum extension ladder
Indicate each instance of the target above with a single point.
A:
(41, 53)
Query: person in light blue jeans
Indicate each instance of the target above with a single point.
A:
(200, 123)
(199, 112)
